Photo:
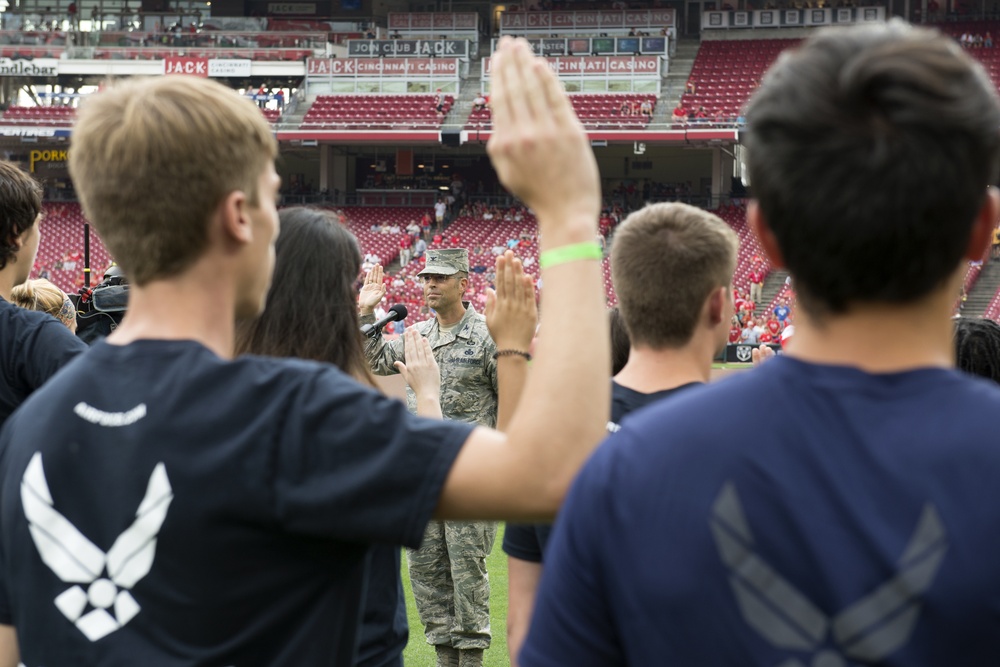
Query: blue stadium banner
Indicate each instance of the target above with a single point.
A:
(350, 4)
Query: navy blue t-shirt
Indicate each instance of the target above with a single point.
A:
(33, 346)
(858, 525)
(385, 629)
(527, 541)
(162, 506)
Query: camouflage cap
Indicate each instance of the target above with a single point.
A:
(446, 262)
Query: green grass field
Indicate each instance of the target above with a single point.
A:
(420, 654)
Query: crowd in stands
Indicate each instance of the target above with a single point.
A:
(766, 327)
(975, 40)
(682, 115)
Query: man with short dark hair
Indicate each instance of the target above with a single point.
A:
(977, 347)
(36, 345)
(861, 527)
(675, 331)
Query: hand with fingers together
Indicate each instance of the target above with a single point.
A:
(421, 372)
(761, 354)
(538, 146)
(511, 310)
(372, 291)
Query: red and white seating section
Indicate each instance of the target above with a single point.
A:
(49, 116)
(725, 73)
(62, 237)
(595, 110)
(64, 116)
(375, 111)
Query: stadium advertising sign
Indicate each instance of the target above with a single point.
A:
(743, 354)
(433, 21)
(550, 47)
(32, 132)
(222, 67)
(790, 18)
(654, 18)
(291, 8)
(37, 67)
(404, 48)
(363, 67)
(599, 46)
(57, 155)
(191, 66)
(638, 65)
(205, 67)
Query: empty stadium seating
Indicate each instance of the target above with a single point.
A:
(64, 116)
(57, 116)
(971, 276)
(735, 217)
(595, 110)
(993, 310)
(375, 111)
(725, 73)
(989, 57)
(60, 251)
(360, 220)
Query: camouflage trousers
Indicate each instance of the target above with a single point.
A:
(450, 583)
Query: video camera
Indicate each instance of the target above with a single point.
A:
(100, 309)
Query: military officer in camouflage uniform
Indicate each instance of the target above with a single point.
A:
(448, 572)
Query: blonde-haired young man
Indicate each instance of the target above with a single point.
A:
(672, 266)
(163, 504)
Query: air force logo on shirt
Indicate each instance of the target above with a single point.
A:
(76, 560)
(869, 630)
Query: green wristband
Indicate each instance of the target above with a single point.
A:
(570, 253)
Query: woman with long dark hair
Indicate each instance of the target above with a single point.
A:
(311, 313)
(311, 310)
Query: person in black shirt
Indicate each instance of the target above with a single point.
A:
(35, 345)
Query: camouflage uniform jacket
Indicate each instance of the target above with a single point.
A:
(468, 369)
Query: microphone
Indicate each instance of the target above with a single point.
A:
(396, 313)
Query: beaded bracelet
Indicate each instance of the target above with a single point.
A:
(511, 353)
